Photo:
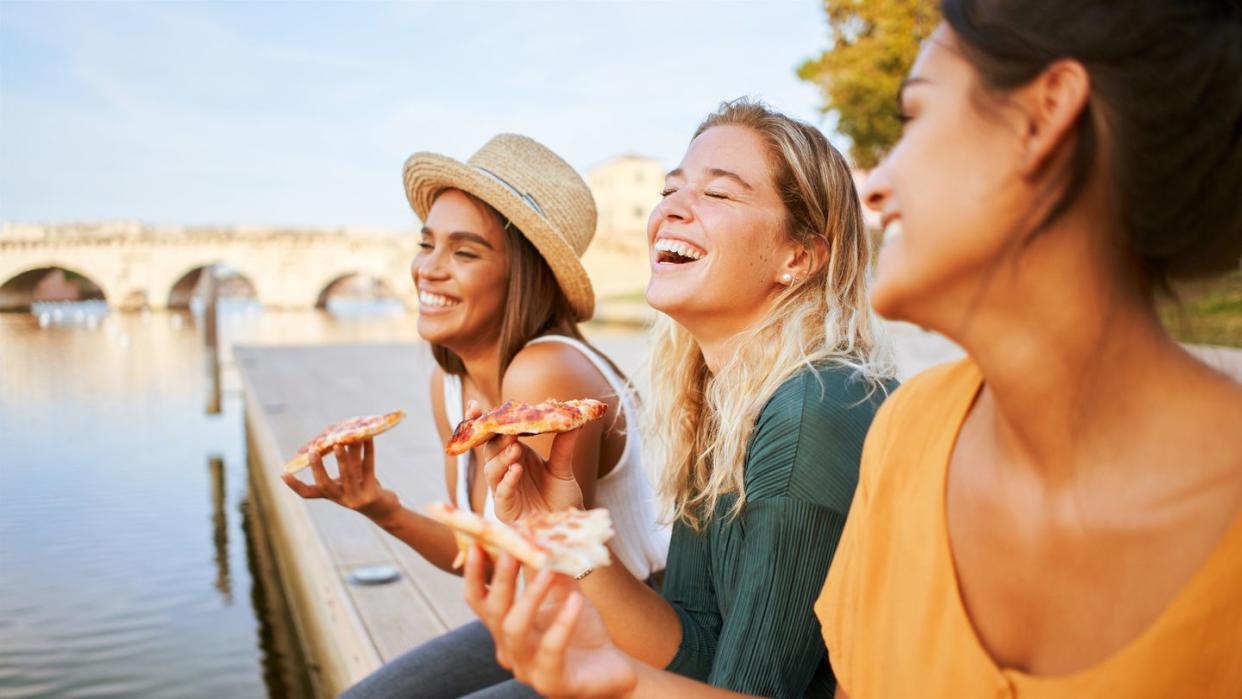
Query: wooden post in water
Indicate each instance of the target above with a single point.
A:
(211, 337)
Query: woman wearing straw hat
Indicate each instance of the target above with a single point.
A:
(501, 292)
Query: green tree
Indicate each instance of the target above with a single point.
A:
(871, 45)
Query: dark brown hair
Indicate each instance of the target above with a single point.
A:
(534, 303)
(1166, 93)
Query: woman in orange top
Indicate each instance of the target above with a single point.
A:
(1060, 514)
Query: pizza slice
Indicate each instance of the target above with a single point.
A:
(515, 417)
(348, 431)
(569, 541)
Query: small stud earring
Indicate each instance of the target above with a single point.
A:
(787, 279)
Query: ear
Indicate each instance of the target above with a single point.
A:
(802, 261)
(1053, 102)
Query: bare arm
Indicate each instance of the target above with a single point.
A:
(429, 538)
(653, 684)
(639, 620)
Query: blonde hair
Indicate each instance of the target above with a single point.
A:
(700, 423)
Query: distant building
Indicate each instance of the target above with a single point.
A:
(626, 189)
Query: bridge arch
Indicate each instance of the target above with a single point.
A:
(354, 284)
(181, 290)
(52, 281)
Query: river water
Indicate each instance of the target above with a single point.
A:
(127, 567)
(126, 564)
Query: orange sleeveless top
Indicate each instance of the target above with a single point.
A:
(892, 615)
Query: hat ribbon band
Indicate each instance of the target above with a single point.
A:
(524, 196)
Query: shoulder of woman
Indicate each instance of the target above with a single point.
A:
(921, 393)
(825, 390)
(552, 370)
(808, 441)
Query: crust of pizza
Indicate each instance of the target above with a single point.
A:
(568, 541)
(515, 417)
(348, 431)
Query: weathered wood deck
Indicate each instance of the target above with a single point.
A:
(292, 392)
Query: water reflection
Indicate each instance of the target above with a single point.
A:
(119, 560)
(283, 665)
(220, 528)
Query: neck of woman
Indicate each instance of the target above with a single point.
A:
(482, 365)
(1073, 358)
(718, 335)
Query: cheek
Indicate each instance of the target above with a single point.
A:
(653, 221)
(745, 256)
(954, 232)
(485, 287)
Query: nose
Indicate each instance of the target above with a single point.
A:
(673, 207)
(877, 189)
(427, 265)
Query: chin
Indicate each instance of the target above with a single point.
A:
(886, 304)
(434, 332)
(664, 299)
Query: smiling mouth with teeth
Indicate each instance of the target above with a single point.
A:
(427, 298)
(676, 252)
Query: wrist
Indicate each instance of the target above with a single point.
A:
(382, 509)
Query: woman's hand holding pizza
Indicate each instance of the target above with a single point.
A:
(550, 636)
(523, 484)
(355, 487)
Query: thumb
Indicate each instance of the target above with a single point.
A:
(561, 458)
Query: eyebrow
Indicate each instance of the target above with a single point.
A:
(715, 172)
(466, 236)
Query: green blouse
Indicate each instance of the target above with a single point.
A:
(744, 588)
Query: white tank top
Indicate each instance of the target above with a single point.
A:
(641, 541)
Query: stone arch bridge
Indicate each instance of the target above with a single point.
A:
(136, 266)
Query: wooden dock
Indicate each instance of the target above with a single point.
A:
(348, 631)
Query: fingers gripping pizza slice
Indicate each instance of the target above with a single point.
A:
(569, 541)
(514, 417)
(348, 431)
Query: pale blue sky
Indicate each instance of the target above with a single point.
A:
(303, 113)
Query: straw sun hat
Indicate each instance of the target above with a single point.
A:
(532, 187)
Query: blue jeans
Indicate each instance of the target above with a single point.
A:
(461, 663)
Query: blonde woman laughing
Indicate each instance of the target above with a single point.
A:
(765, 375)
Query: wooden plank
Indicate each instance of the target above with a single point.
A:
(388, 611)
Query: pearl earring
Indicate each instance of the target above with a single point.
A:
(787, 279)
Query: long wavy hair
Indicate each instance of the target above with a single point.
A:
(699, 423)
